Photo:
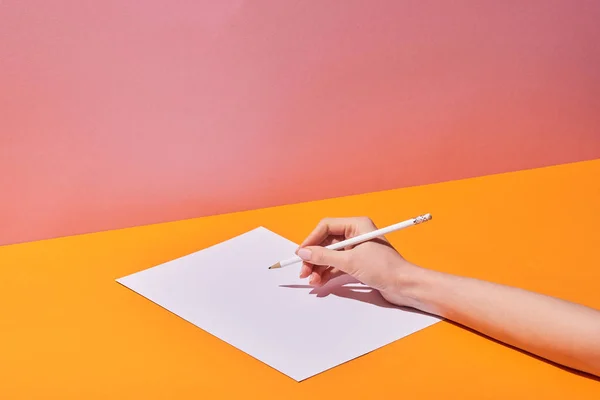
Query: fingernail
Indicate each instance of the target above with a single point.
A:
(304, 254)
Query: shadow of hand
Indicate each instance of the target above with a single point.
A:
(348, 287)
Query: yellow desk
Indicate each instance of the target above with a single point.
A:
(68, 330)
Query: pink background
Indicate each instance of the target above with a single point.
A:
(119, 113)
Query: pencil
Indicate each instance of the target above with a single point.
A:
(361, 238)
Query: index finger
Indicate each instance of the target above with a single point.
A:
(328, 227)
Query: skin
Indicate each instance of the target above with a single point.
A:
(559, 331)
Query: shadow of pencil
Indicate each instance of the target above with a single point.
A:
(347, 287)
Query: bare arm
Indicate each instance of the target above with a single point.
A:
(563, 332)
(557, 330)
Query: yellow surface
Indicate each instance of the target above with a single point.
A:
(68, 330)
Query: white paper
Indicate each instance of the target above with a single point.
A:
(228, 291)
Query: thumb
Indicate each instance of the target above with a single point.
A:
(317, 255)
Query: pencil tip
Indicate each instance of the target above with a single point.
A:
(275, 266)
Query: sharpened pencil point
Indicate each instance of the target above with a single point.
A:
(278, 265)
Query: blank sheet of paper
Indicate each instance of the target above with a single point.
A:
(228, 291)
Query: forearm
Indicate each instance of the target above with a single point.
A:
(560, 331)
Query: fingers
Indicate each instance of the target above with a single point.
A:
(305, 270)
(316, 276)
(344, 227)
(321, 256)
(327, 275)
(319, 259)
(321, 265)
(314, 272)
(321, 275)
(327, 227)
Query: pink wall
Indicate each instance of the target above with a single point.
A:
(118, 113)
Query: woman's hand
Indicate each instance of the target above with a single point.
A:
(374, 263)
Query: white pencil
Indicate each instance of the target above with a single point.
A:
(360, 239)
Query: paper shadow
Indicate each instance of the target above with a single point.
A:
(347, 287)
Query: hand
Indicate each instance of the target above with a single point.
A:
(374, 263)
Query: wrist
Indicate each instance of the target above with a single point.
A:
(416, 287)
